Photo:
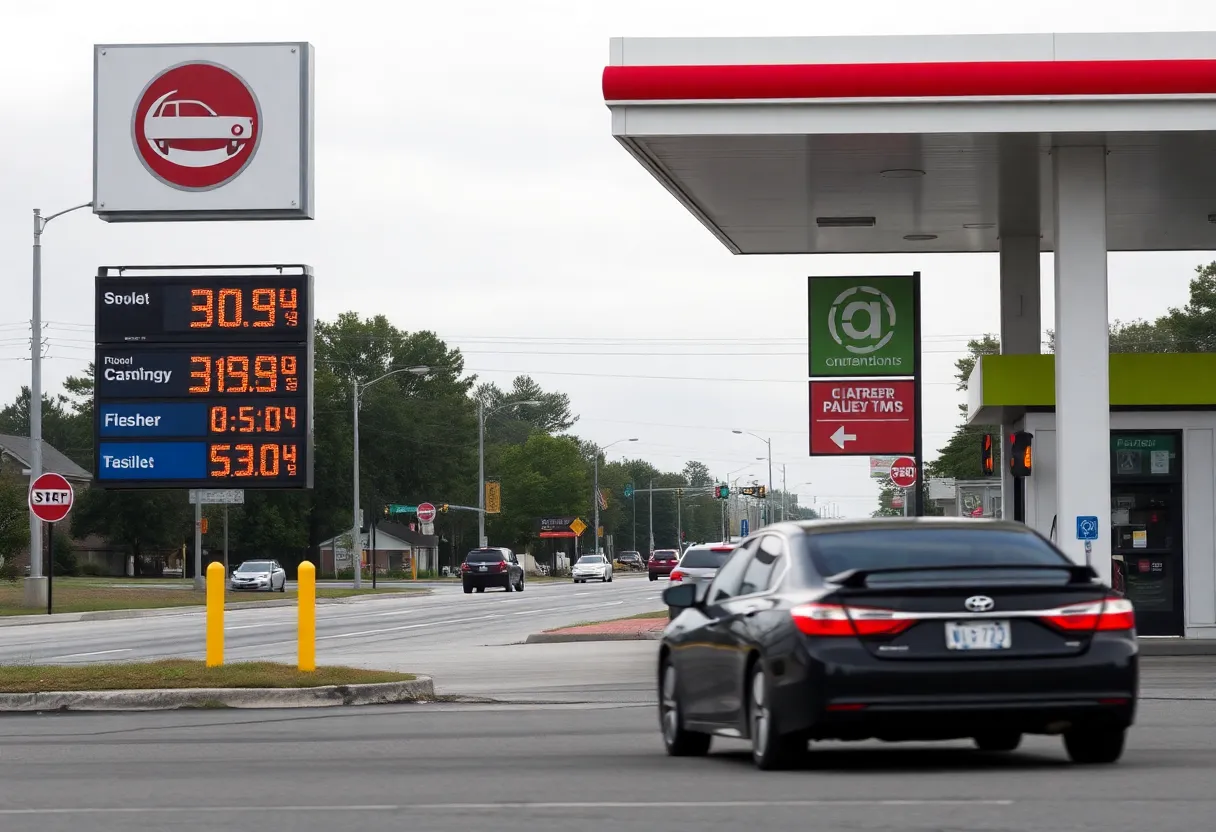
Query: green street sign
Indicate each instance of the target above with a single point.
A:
(862, 326)
(395, 508)
(628, 490)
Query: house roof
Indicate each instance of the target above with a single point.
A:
(391, 533)
(19, 448)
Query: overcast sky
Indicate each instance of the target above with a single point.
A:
(467, 183)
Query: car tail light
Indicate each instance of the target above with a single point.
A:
(836, 620)
(464, 567)
(676, 576)
(501, 566)
(1107, 615)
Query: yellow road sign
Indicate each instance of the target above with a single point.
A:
(578, 526)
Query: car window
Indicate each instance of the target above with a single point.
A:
(764, 565)
(730, 575)
(485, 556)
(254, 566)
(704, 558)
(836, 552)
(591, 559)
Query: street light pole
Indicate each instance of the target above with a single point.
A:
(356, 551)
(595, 494)
(482, 542)
(768, 500)
(35, 593)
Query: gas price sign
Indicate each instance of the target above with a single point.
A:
(204, 382)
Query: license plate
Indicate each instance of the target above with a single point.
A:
(978, 635)
(481, 569)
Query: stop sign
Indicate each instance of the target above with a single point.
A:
(426, 512)
(903, 472)
(51, 498)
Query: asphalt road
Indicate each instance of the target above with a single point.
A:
(510, 768)
(470, 644)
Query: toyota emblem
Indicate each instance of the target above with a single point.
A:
(979, 603)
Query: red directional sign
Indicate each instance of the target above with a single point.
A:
(903, 472)
(863, 418)
(51, 498)
(196, 126)
(426, 512)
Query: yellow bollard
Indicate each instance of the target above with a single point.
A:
(216, 581)
(306, 598)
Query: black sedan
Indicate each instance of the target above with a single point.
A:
(899, 630)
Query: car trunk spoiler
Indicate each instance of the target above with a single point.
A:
(859, 578)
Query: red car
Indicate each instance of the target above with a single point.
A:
(661, 562)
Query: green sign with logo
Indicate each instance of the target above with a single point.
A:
(1143, 454)
(862, 326)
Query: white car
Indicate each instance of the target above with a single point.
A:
(592, 568)
(260, 576)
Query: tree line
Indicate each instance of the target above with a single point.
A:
(418, 442)
(1191, 328)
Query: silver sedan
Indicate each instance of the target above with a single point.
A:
(592, 568)
(259, 575)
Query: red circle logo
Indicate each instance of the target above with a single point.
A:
(196, 126)
(51, 498)
(426, 512)
(903, 472)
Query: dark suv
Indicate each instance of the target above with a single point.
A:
(662, 561)
(492, 566)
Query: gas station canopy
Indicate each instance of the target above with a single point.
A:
(920, 144)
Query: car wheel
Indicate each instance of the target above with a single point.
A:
(678, 741)
(520, 586)
(1091, 745)
(468, 590)
(998, 741)
(771, 751)
(481, 589)
(509, 587)
(609, 578)
(653, 577)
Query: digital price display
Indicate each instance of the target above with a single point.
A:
(204, 382)
(197, 309)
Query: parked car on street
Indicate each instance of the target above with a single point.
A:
(915, 629)
(492, 566)
(260, 576)
(661, 562)
(592, 568)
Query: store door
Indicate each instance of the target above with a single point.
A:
(1146, 533)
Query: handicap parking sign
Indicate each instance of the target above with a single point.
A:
(1087, 528)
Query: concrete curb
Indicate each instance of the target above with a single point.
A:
(161, 699)
(1177, 647)
(152, 612)
(565, 638)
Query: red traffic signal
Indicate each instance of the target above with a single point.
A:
(987, 457)
(1020, 455)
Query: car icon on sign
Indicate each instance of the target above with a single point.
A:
(189, 133)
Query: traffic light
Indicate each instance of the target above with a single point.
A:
(443, 509)
(679, 493)
(722, 492)
(387, 512)
(987, 462)
(202, 525)
(1020, 453)
(761, 492)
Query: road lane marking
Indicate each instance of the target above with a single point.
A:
(494, 807)
(94, 653)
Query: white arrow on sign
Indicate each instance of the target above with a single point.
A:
(840, 437)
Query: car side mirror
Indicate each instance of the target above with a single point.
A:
(681, 596)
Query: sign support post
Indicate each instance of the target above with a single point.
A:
(200, 581)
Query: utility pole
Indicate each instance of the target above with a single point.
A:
(595, 501)
(650, 505)
(633, 537)
(783, 494)
(679, 523)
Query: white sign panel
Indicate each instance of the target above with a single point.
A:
(207, 497)
(203, 132)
